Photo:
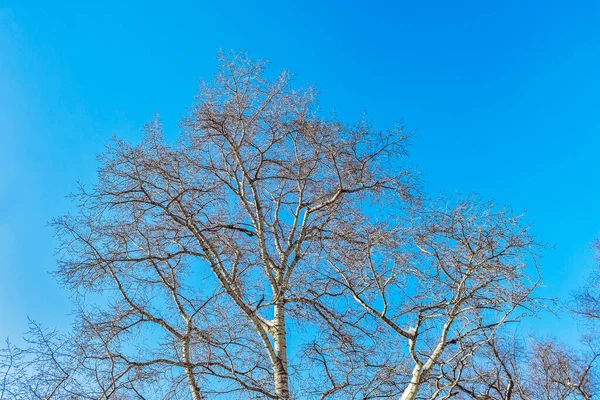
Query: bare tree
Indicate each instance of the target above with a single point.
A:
(559, 372)
(543, 369)
(50, 367)
(441, 282)
(270, 252)
(586, 301)
(190, 260)
(10, 362)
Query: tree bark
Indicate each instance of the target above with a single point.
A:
(411, 391)
(280, 340)
(189, 371)
(194, 389)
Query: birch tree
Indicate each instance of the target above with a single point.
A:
(190, 259)
(527, 367)
(518, 368)
(437, 285)
(271, 252)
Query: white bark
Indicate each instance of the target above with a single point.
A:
(411, 391)
(421, 370)
(189, 371)
(280, 340)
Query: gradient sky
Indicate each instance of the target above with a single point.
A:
(504, 97)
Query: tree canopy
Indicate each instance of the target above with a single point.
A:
(272, 252)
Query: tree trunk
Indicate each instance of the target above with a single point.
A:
(194, 389)
(189, 371)
(280, 340)
(411, 391)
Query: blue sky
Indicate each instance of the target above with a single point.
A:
(504, 97)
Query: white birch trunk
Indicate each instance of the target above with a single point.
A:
(281, 364)
(189, 371)
(411, 391)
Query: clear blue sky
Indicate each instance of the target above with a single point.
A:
(504, 95)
